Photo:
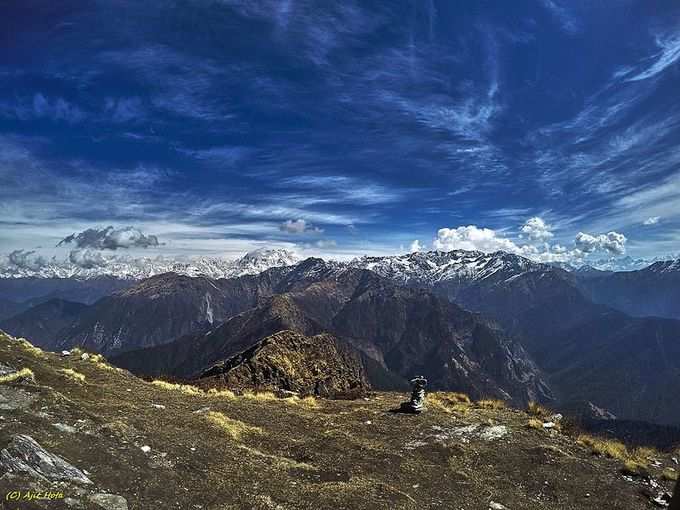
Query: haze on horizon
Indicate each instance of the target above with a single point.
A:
(544, 128)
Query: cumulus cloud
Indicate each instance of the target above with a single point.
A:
(651, 221)
(26, 260)
(87, 258)
(299, 226)
(473, 238)
(612, 242)
(536, 229)
(110, 238)
(487, 240)
(415, 246)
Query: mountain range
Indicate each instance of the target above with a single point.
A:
(490, 324)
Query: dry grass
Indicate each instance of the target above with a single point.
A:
(72, 374)
(635, 462)
(536, 409)
(213, 392)
(234, 428)
(25, 374)
(635, 467)
(607, 447)
(670, 474)
(260, 395)
(535, 423)
(449, 402)
(308, 402)
(187, 389)
(28, 346)
(489, 403)
(646, 452)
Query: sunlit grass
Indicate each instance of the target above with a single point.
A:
(25, 374)
(236, 429)
(488, 403)
(73, 374)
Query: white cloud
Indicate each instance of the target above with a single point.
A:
(473, 238)
(487, 240)
(87, 258)
(298, 226)
(612, 242)
(653, 220)
(415, 246)
(111, 238)
(536, 229)
(669, 54)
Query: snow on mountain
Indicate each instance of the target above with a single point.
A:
(435, 266)
(253, 262)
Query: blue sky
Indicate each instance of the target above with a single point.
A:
(545, 127)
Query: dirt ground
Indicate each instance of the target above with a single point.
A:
(172, 448)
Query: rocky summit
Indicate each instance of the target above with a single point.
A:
(320, 365)
(92, 436)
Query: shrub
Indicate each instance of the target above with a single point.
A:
(234, 428)
(72, 374)
(25, 374)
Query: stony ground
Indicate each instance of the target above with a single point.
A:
(167, 448)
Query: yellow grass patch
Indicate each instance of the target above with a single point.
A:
(224, 393)
(309, 402)
(260, 395)
(448, 402)
(488, 403)
(536, 409)
(535, 423)
(72, 374)
(28, 346)
(670, 474)
(635, 467)
(25, 374)
(234, 428)
(187, 389)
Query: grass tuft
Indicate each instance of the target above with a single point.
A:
(25, 374)
(234, 428)
(224, 393)
(670, 474)
(635, 467)
(536, 409)
(28, 346)
(535, 423)
(187, 389)
(72, 374)
(260, 395)
(449, 402)
(489, 403)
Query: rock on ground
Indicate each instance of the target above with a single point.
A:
(25, 455)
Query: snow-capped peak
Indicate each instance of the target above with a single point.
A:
(253, 262)
(434, 266)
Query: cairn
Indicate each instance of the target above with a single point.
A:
(417, 402)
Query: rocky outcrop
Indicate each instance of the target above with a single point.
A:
(25, 456)
(317, 365)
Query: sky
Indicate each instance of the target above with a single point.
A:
(545, 128)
